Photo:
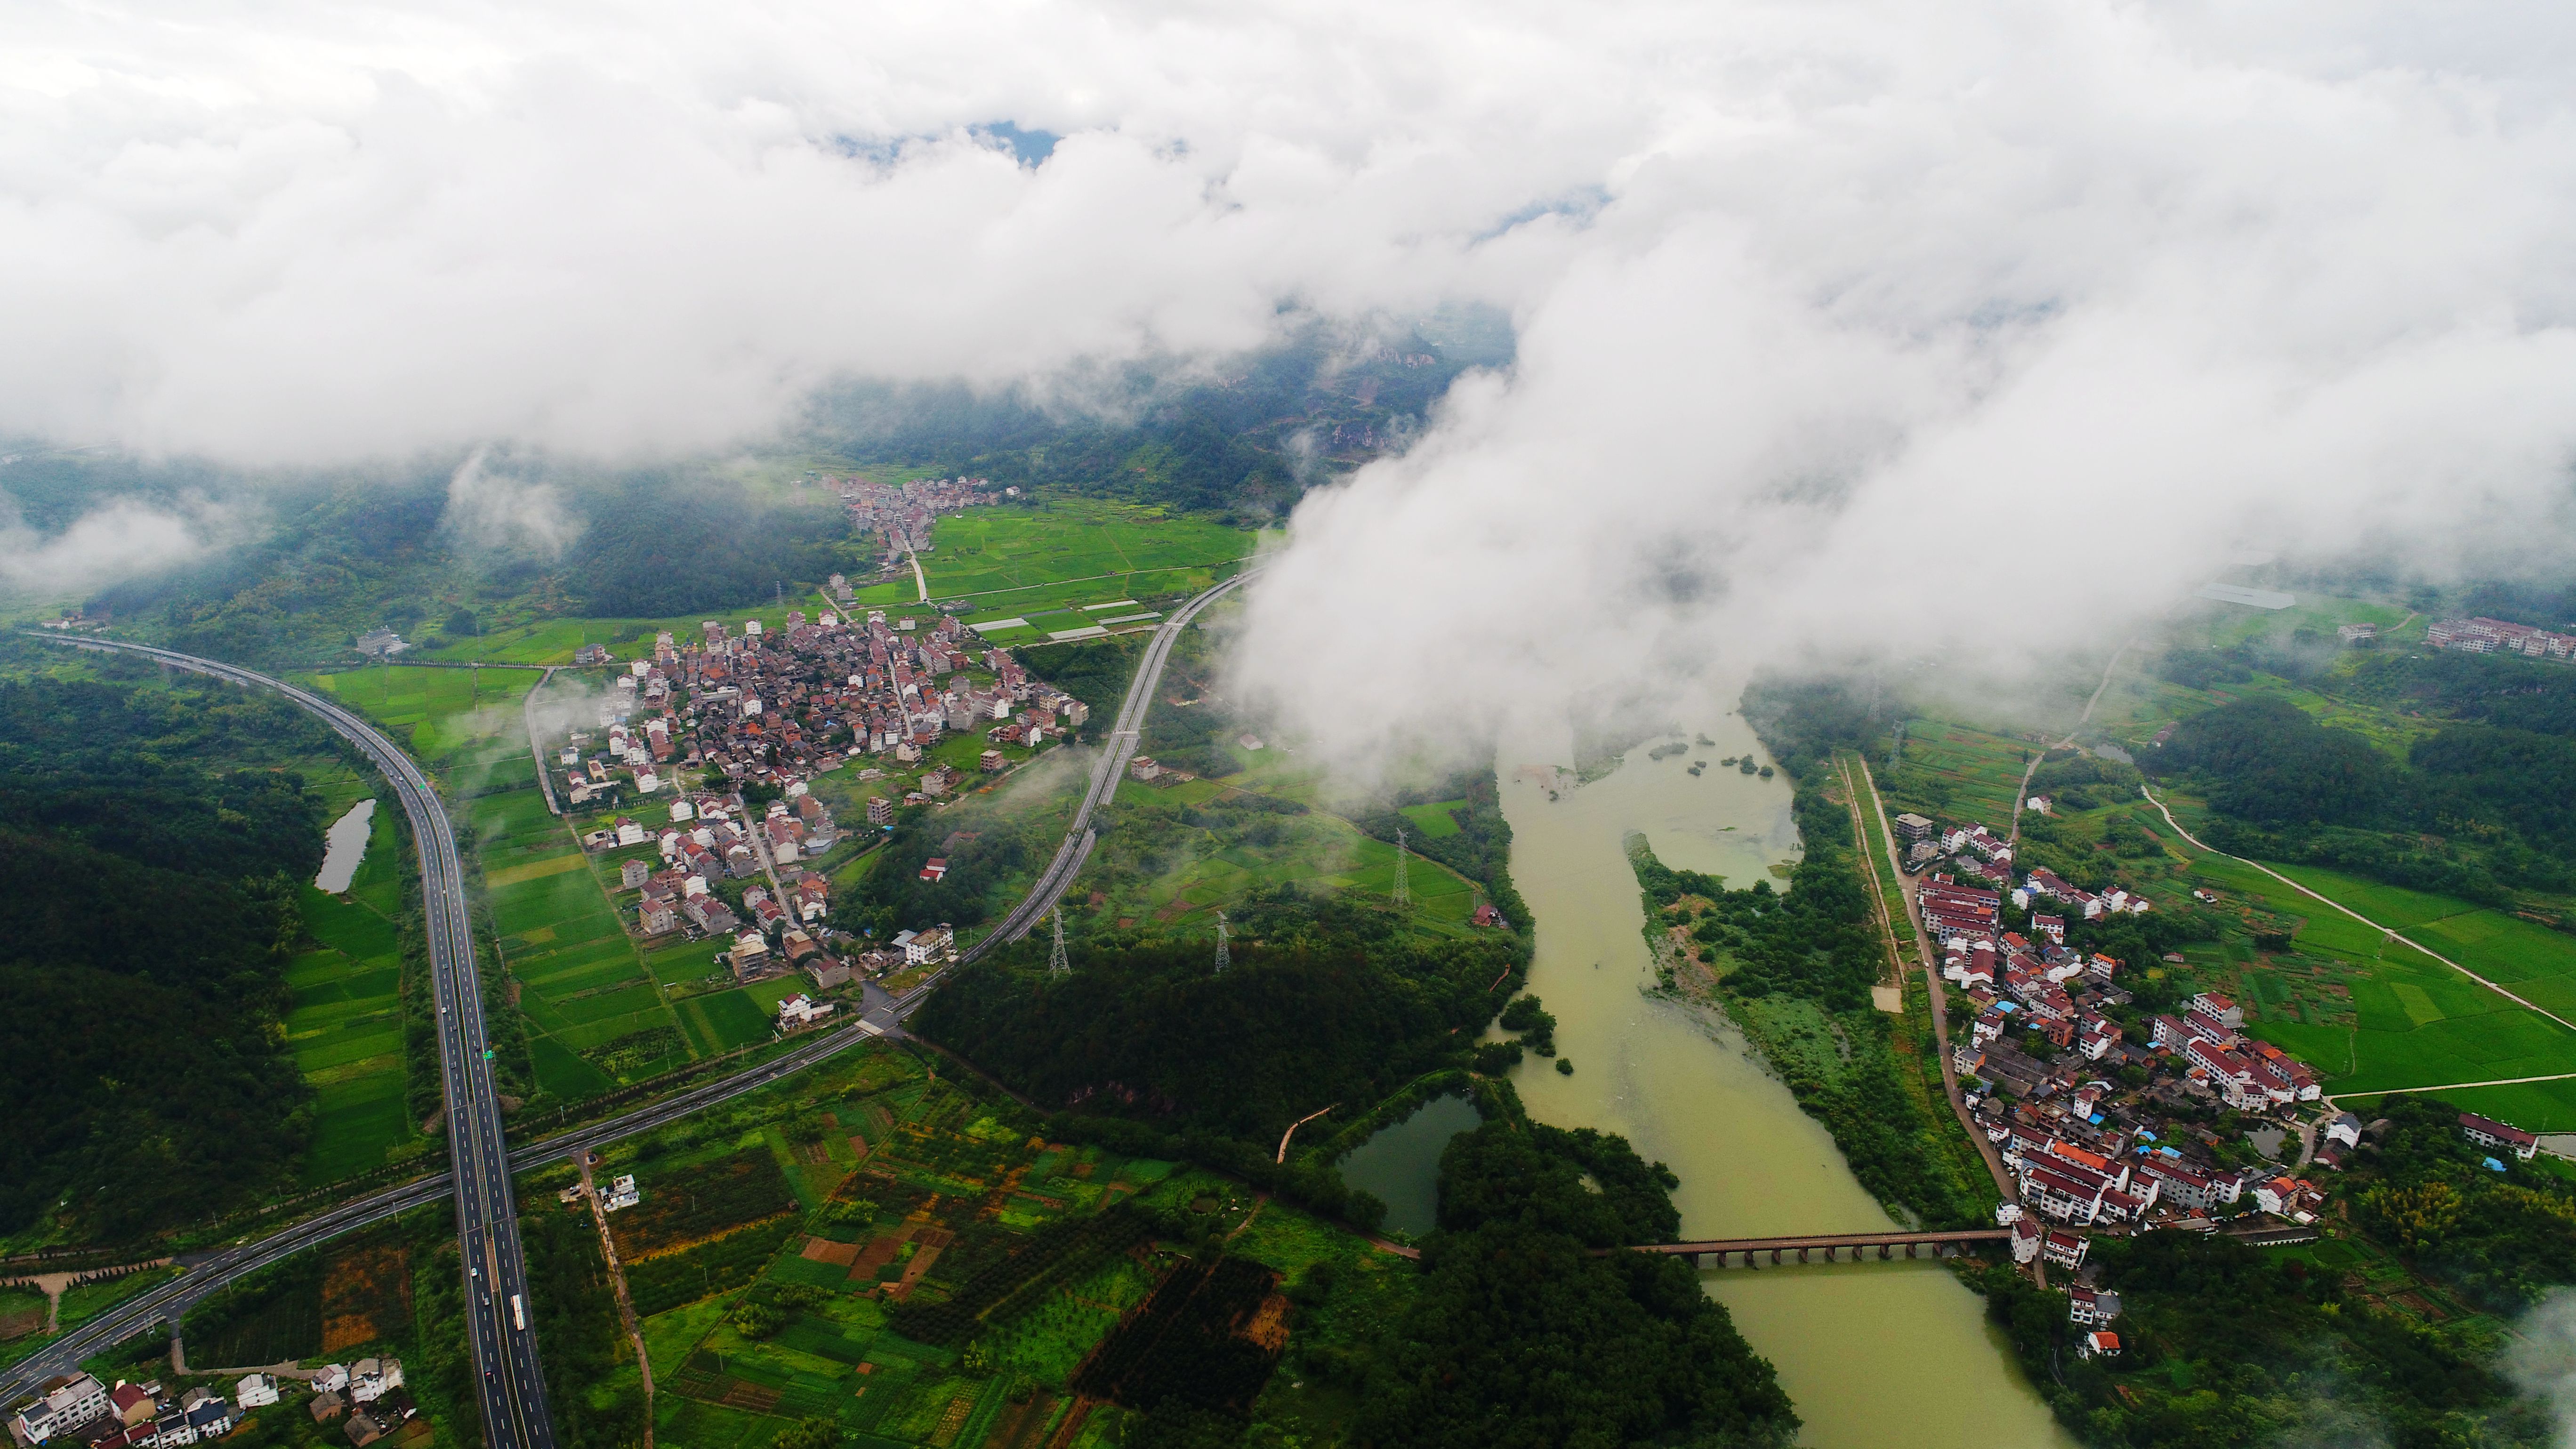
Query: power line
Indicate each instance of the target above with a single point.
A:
(1403, 892)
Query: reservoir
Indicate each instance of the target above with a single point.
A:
(1401, 1163)
(347, 846)
(1872, 1354)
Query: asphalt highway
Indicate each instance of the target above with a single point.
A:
(513, 1396)
(503, 1341)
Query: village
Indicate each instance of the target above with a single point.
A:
(366, 1398)
(901, 514)
(2177, 1119)
(758, 716)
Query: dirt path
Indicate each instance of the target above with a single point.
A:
(2356, 915)
(1888, 995)
(2081, 720)
(53, 1285)
(2004, 1184)
(617, 1280)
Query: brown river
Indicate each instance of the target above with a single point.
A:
(1874, 1354)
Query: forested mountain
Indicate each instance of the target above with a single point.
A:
(2478, 807)
(1245, 443)
(154, 851)
(333, 557)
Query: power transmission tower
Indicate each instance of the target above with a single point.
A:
(1224, 958)
(1403, 892)
(1057, 965)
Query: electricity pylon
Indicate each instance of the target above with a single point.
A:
(1403, 892)
(1057, 965)
(1224, 958)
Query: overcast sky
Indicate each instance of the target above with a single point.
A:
(1843, 326)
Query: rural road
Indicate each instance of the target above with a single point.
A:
(2022, 793)
(1940, 1007)
(503, 1345)
(171, 1301)
(2356, 915)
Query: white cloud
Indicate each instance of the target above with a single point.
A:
(1844, 324)
(2541, 1359)
(119, 539)
(490, 508)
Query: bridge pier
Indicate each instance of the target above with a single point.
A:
(1693, 1260)
(1882, 1252)
(1775, 1257)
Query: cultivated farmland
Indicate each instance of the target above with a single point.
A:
(910, 1264)
(345, 1025)
(1071, 552)
(2373, 1013)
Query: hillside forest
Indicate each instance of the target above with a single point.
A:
(158, 837)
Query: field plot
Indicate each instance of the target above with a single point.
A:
(841, 1263)
(1952, 772)
(1066, 554)
(595, 1016)
(345, 1023)
(444, 716)
(1250, 831)
(2373, 1013)
(2320, 614)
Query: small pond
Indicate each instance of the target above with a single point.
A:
(347, 847)
(1401, 1164)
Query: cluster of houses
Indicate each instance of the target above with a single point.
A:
(779, 708)
(78, 1409)
(902, 514)
(2084, 1153)
(1978, 854)
(2486, 636)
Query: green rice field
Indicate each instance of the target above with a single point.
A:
(2372, 1013)
(441, 715)
(1952, 772)
(345, 1025)
(1068, 552)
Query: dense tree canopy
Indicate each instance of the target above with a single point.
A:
(1524, 1337)
(1151, 1032)
(142, 951)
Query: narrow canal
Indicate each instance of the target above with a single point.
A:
(345, 846)
(1873, 1354)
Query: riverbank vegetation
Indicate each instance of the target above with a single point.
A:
(1793, 969)
(1521, 1334)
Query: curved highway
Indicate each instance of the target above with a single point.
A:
(170, 1301)
(504, 1342)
